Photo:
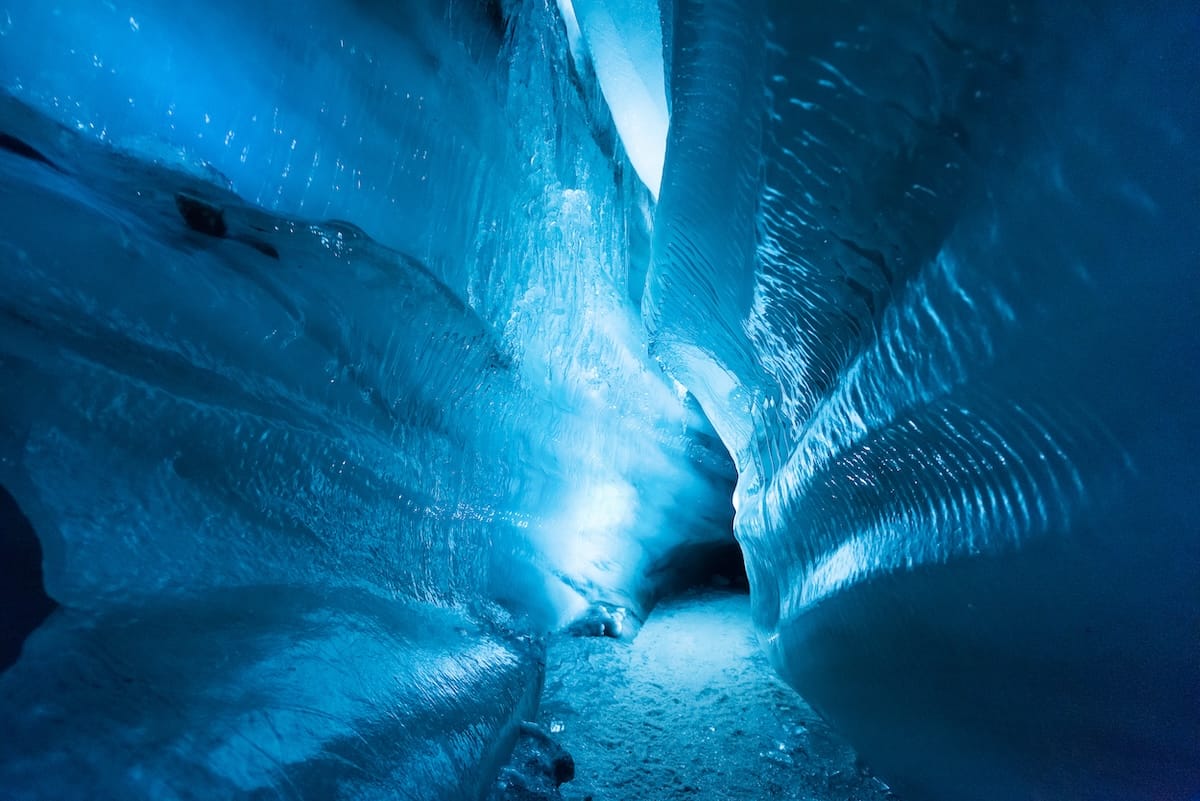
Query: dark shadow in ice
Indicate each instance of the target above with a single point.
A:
(22, 595)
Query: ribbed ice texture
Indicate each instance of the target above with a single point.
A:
(929, 269)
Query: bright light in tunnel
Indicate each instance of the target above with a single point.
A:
(608, 506)
(624, 39)
(589, 539)
(596, 516)
(574, 36)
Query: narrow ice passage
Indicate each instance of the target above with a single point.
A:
(350, 348)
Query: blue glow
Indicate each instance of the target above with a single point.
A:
(624, 43)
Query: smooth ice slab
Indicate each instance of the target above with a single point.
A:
(295, 692)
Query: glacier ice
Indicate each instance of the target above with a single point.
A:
(506, 221)
(345, 346)
(294, 691)
(319, 337)
(938, 296)
(623, 41)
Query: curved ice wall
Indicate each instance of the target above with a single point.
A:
(930, 268)
(477, 153)
(319, 335)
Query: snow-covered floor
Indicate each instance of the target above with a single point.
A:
(691, 710)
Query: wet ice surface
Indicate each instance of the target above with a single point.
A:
(691, 710)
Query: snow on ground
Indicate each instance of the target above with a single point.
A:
(691, 709)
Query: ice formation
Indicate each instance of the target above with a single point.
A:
(347, 346)
(623, 40)
(946, 326)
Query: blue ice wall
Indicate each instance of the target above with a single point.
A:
(480, 175)
(259, 586)
(325, 386)
(931, 271)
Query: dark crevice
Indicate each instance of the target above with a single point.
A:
(710, 565)
(25, 150)
(22, 593)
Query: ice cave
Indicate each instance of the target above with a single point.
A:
(599, 400)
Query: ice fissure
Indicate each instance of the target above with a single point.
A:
(346, 348)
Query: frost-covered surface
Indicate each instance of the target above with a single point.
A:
(691, 709)
(930, 270)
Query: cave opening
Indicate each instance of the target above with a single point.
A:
(719, 565)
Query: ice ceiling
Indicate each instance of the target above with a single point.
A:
(347, 346)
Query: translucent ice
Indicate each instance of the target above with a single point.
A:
(319, 336)
(937, 294)
(329, 329)
(624, 42)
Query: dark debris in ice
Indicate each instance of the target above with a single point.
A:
(205, 217)
(200, 215)
(538, 767)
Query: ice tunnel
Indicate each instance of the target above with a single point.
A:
(351, 350)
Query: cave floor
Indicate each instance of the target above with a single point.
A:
(691, 709)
